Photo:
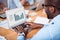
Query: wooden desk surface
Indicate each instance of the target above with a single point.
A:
(11, 35)
(38, 13)
(8, 34)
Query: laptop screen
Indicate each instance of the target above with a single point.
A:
(15, 17)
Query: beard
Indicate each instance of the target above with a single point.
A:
(49, 14)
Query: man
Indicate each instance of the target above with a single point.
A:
(3, 7)
(51, 30)
(8, 34)
(19, 3)
(16, 3)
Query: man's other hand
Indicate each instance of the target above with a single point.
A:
(33, 25)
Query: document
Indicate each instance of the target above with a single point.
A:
(4, 24)
(41, 20)
(2, 38)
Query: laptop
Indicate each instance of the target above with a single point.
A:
(15, 17)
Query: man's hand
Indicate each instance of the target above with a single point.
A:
(18, 29)
(4, 9)
(33, 25)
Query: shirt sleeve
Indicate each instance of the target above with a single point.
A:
(49, 32)
(18, 4)
(42, 34)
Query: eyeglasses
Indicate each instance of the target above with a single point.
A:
(46, 5)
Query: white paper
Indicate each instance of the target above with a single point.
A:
(4, 24)
(29, 19)
(26, 11)
(41, 20)
(2, 38)
(33, 14)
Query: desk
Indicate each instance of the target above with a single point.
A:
(8, 34)
(40, 13)
(11, 35)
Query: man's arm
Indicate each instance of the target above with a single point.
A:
(8, 34)
(34, 25)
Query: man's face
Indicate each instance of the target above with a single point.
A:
(48, 11)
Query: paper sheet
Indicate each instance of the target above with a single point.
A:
(26, 11)
(2, 38)
(41, 20)
(4, 24)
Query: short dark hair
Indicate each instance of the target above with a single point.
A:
(55, 3)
